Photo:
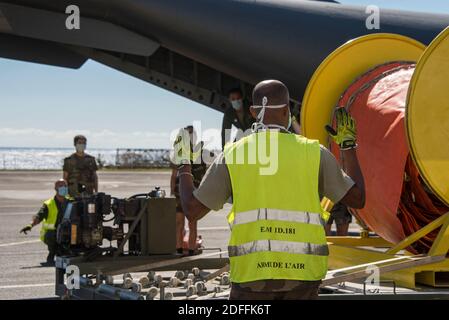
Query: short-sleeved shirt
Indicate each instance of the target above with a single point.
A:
(81, 171)
(215, 189)
(43, 211)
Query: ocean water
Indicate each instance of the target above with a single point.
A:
(47, 158)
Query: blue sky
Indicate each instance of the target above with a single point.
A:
(44, 106)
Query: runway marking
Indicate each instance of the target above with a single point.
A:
(20, 286)
(20, 205)
(213, 228)
(3, 214)
(18, 243)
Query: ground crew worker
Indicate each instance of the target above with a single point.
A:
(342, 218)
(237, 114)
(80, 170)
(50, 215)
(277, 246)
(198, 171)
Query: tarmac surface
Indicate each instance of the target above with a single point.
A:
(21, 196)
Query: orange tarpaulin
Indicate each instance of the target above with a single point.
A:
(377, 101)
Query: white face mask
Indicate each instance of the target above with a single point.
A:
(260, 125)
(80, 147)
(237, 104)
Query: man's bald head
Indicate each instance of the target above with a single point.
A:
(272, 93)
(275, 91)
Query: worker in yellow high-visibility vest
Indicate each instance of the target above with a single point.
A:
(50, 215)
(277, 247)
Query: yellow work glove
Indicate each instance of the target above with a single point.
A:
(197, 154)
(346, 134)
(182, 150)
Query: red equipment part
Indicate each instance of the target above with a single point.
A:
(397, 201)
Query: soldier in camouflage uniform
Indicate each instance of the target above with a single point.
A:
(50, 215)
(80, 170)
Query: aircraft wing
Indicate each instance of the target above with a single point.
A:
(198, 49)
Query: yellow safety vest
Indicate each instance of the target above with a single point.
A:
(52, 216)
(277, 221)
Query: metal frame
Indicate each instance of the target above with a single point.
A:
(348, 258)
(399, 296)
(348, 261)
(106, 265)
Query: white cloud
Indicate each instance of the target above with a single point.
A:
(51, 133)
(32, 137)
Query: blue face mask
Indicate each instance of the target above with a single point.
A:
(63, 191)
(80, 147)
(237, 104)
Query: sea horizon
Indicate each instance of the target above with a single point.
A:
(52, 158)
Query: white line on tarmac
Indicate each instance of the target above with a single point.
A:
(18, 243)
(17, 286)
(213, 228)
(18, 206)
(4, 214)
